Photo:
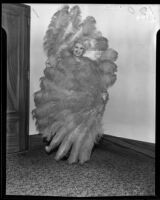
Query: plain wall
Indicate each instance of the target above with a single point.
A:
(130, 111)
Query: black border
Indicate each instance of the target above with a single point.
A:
(3, 110)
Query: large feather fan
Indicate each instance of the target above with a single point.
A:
(73, 91)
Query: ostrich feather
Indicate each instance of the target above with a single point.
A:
(70, 104)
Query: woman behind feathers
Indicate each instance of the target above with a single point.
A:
(73, 91)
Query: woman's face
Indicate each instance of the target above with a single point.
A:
(78, 49)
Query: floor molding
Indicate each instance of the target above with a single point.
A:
(139, 146)
(35, 141)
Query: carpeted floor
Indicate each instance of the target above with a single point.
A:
(112, 171)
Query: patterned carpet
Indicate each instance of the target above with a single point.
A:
(112, 171)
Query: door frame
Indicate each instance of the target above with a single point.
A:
(25, 73)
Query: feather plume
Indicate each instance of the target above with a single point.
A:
(70, 104)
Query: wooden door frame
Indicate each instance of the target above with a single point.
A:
(24, 137)
(24, 75)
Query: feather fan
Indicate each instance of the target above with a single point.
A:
(70, 104)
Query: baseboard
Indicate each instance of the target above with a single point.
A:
(35, 141)
(148, 149)
(139, 146)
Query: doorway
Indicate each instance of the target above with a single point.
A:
(16, 42)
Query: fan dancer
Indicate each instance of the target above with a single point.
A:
(73, 93)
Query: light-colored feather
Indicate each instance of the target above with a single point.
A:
(73, 91)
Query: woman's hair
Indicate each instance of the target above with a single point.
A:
(80, 41)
